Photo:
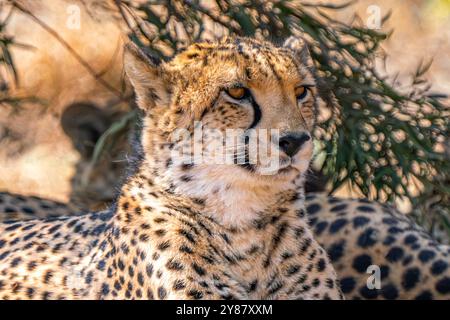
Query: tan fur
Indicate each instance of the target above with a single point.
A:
(184, 231)
(345, 249)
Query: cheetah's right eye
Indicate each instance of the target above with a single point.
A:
(237, 93)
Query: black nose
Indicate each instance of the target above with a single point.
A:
(292, 142)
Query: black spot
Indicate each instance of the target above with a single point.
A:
(30, 293)
(101, 265)
(316, 282)
(305, 245)
(140, 279)
(313, 208)
(164, 245)
(368, 293)
(390, 221)
(16, 262)
(337, 225)
(276, 287)
(252, 286)
(46, 295)
(395, 230)
(4, 255)
(389, 292)
(395, 254)
(195, 294)
(162, 293)
(293, 269)
(408, 259)
(179, 285)
(410, 278)
(105, 289)
(199, 270)
(410, 239)
(389, 240)
(48, 276)
(149, 270)
(89, 277)
(320, 227)
(117, 285)
(347, 284)
(187, 235)
(426, 255)
(365, 209)
(438, 267)
(384, 272)
(32, 265)
(443, 286)
(360, 221)
(336, 250)
(28, 210)
(186, 249)
(13, 227)
(321, 265)
(186, 166)
(367, 238)
(174, 265)
(329, 283)
(338, 207)
(313, 221)
(362, 262)
(425, 295)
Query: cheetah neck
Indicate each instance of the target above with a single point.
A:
(230, 201)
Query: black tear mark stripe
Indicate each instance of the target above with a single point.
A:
(257, 114)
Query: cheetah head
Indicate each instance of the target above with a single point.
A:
(258, 95)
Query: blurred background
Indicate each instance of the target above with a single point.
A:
(67, 113)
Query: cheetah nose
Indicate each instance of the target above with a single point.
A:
(291, 143)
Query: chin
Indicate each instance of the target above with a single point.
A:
(285, 170)
(283, 175)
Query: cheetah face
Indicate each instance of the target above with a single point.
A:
(251, 104)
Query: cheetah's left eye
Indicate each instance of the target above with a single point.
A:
(301, 92)
(237, 93)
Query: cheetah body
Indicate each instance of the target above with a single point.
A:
(191, 231)
(358, 234)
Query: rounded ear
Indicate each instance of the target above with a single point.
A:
(146, 76)
(300, 48)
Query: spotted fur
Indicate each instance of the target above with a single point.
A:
(200, 231)
(19, 207)
(358, 234)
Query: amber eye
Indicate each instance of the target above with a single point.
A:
(237, 92)
(301, 92)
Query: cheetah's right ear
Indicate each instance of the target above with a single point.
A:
(146, 76)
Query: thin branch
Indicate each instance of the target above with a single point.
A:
(75, 54)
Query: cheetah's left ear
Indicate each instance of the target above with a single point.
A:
(146, 76)
(300, 48)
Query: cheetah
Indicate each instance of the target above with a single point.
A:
(19, 207)
(200, 229)
(358, 234)
(366, 239)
